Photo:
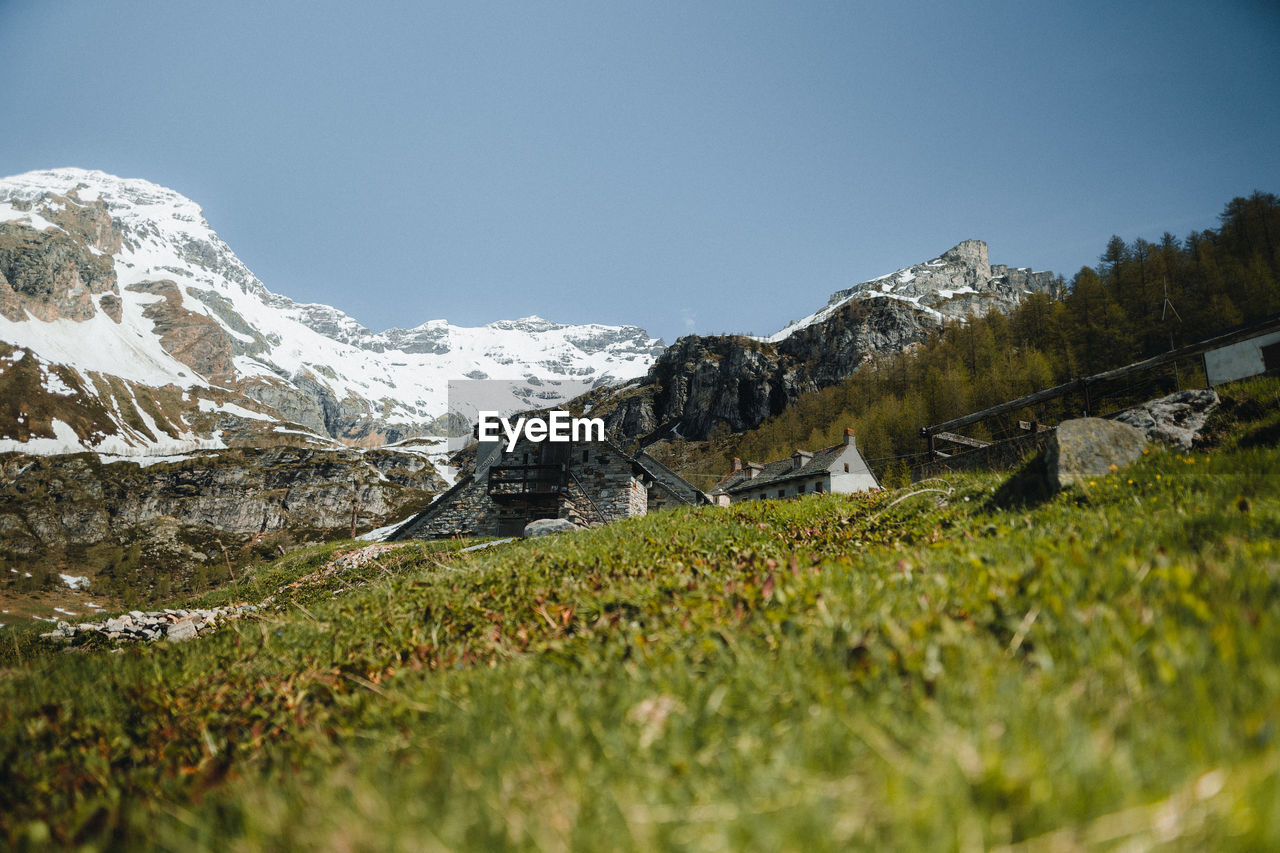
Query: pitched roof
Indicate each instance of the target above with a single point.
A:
(437, 503)
(679, 486)
(780, 471)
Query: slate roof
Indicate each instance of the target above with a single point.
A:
(679, 486)
(780, 471)
(437, 503)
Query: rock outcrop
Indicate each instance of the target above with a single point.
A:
(738, 381)
(1176, 419)
(49, 274)
(149, 626)
(178, 516)
(194, 339)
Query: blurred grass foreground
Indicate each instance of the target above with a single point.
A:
(916, 669)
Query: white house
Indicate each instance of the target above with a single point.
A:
(839, 469)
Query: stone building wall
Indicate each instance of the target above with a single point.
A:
(468, 511)
(662, 497)
(607, 476)
(577, 506)
(601, 489)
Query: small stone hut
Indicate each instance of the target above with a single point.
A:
(586, 482)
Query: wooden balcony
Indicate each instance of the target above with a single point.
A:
(524, 481)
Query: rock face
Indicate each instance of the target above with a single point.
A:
(1090, 447)
(701, 382)
(179, 515)
(194, 339)
(1176, 419)
(48, 275)
(738, 381)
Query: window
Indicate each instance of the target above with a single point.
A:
(846, 467)
(817, 487)
(1271, 357)
(782, 493)
(585, 455)
(800, 489)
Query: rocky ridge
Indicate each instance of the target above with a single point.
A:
(738, 381)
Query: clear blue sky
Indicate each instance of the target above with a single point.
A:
(706, 166)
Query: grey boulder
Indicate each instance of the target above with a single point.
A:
(547, 526)
(1090, 447)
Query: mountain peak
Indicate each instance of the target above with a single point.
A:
(959, 282)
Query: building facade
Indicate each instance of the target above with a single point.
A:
(586, 482)
(839, 469)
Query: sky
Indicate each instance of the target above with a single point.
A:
(681, 166)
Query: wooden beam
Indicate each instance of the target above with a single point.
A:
(962, 439)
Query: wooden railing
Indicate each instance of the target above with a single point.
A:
(517, 480)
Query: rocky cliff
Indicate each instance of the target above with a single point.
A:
(739, 381)
(129, 528)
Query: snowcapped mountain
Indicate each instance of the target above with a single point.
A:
(148, 335)
(958, 283)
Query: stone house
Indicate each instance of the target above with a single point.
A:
(839, 469)
(586, 482)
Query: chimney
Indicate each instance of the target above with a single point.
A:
(737, 465)
(848, 435)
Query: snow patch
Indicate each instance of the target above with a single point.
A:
(233, 409)
(145, 461)
(64, 440)
(9, 213)
(382, 533)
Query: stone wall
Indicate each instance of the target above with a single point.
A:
(662, 497)
(608, 477)
(579, 508)
(465, 510)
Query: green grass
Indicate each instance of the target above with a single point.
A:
(1096, 671)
